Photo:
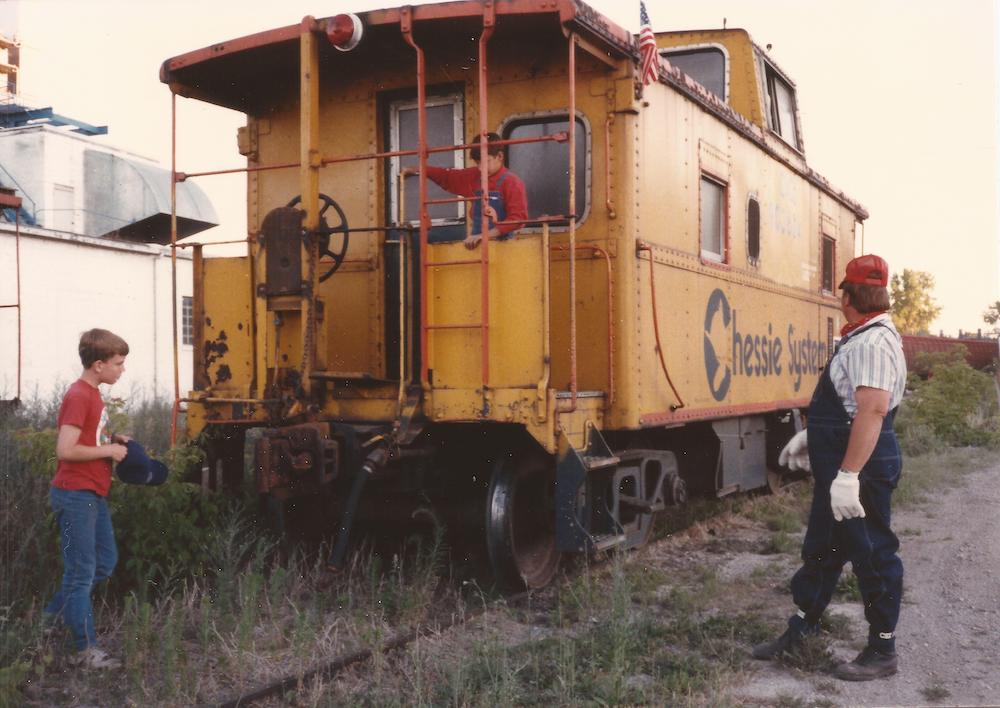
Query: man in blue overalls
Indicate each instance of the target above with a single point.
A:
(856, 463)
(508, 200)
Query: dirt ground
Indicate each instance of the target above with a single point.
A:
(949, 632)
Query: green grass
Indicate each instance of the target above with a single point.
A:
(781, 543)
(227, 610)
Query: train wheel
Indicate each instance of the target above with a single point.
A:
(520, 522)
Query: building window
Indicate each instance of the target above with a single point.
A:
(706, 65)
(713, 220)
(829, 258)
(187, 320)
(781, 106)
(753, 231)
(544, 166)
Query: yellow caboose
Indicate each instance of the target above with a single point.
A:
(653, 326)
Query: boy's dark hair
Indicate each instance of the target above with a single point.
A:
(100, 345)
(491, 147)
(867, 298)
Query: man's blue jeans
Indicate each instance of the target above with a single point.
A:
(89, 555)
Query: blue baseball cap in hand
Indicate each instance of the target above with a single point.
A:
(140, 468)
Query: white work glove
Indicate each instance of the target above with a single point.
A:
(845, 496)
(795, 455)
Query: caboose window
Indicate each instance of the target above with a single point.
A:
(753, 231)
(713, 219)
(444, 123)
(829, 254)
(544, 167)
(706, 65)
(781, 106)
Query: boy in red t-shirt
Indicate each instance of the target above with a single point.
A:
(79, 493)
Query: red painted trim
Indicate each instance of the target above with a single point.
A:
(233, 46)
(686, 415)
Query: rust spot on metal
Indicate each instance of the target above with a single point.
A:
(224, 374)
(215, 349)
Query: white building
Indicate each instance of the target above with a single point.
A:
(91, 252)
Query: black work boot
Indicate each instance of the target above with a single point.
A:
(791, 640)
(869, 664)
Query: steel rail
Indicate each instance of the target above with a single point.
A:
(334, 667)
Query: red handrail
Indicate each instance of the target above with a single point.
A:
(643, 246)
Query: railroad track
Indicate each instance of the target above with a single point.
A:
(332, 668)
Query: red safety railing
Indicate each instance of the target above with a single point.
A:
(9, 201)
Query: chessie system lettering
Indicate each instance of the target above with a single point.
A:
(757, 353)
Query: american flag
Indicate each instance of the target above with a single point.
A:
(647, 47)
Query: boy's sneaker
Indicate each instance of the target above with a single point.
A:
(791, 640)
(869, 664)
(94, 658)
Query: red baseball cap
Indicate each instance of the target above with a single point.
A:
(867, 270)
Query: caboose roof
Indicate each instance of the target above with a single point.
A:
(247, 72)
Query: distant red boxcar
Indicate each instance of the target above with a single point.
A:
(980, 353)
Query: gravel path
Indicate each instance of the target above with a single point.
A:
(949, 631)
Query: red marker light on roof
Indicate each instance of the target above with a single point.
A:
(344, 31)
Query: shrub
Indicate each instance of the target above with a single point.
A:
(956, 405)
(27, 463)
(164, 533)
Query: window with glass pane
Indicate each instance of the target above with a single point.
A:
(753, 230)
(187, 319)
(713, 222)
(829, 253)
(781, 97)
(444, 127)
(706, 66)
(544, 167)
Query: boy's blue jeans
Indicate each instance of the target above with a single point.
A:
(89, 555)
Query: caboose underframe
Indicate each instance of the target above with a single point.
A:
(525, 390)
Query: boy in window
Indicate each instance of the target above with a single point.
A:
(507, 198)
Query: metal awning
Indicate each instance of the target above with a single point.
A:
(130, 199)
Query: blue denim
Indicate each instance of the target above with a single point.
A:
(868, 543)
(89, 554)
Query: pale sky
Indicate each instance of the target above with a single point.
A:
(898, 101)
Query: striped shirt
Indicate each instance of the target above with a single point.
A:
(871, 356)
